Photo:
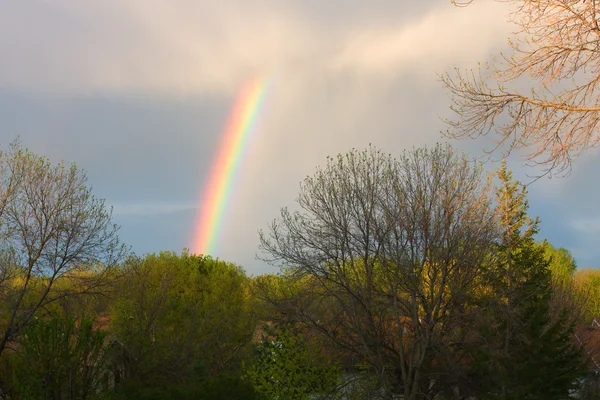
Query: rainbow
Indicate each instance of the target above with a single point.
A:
(217, 192)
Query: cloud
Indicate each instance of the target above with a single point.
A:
(442, 38)
(180, 47)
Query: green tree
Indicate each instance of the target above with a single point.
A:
(525, 353)
(587, 282)
(562, 265)
(176, 314)
(548, 363)
(287, 368)
(60, 359)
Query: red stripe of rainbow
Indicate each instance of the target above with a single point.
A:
(217, 192)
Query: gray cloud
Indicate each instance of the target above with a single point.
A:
(181, 47)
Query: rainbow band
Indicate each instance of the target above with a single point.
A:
(218, 191)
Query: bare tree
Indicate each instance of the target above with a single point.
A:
(387, 252)
(52, 230)
(556, 54)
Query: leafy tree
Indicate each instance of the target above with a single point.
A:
(176, 312)
(561, 263)
(555, 117)
(525, 353)
(52, 229)
(587, 281)
(60, 359)
(567, 298)
(548, 363)
(286, 369)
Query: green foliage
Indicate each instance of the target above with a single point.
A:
(525, 352)
(562, 265)
(286, 369)
(176, 311)
(60, 359)
(547, 363)
(588, 283)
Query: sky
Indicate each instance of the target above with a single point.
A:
(138, 93)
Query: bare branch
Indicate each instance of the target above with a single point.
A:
(557, 52)
(51, 228)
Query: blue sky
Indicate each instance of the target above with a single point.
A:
(138, 93)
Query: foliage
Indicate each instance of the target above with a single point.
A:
(561, 263)
(524, 352)
(60, 359)
(548, 363)
(177, 311)
(587, 282)
(286, 369)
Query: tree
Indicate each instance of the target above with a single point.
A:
(587, 282)
(288, 368)
(51, 229)
(562, 265)
(524, 351)
(555, 53)
(568, 300)
(180, 315)
(389, 252)
(60, 358)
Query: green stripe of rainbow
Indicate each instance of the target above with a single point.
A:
(217, 192)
